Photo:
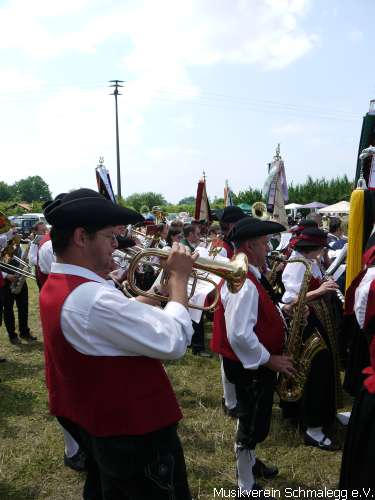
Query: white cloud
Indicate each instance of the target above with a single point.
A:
(159, 44)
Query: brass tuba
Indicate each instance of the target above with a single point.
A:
(259, 210)
(291, 389)
(233, 272)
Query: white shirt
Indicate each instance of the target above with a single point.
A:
(241, 316)
(46, 257)
(293, 274)
(98, 320)
(33, 253)
(362, 295)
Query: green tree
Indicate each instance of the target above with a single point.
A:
(189, 200)
(33, 188)
(249, 196)
(137, 200)
(6, 191)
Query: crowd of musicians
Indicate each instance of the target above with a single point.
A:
(282, 331)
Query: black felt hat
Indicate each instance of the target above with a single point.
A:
(304, 224)
(311, 237)
(252, 227)
(86, 207)
(232, 214)
(58, 197)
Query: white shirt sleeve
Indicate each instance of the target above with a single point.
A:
(99, 320)
(46, 257)
(362, 296)
(241, 315)
(292, 278)
(33, 254)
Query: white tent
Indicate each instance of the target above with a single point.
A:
(342, 207)
(292, 206)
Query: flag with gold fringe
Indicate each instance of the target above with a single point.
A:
(103, 181)
(202, 205)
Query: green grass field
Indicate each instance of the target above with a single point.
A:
(31, 446)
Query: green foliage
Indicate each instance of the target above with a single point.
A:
(217, 203)
(249, 196)
(142, 200)
(6, 191)
(189, 200)
(33, 188)
(325, 191)
(179, 208)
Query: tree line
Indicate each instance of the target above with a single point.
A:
(323, 190)
(35, 190)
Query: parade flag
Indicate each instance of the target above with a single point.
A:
(202, 206)
(275, 189)
(367, 139)
(104, 182)
(228, 195)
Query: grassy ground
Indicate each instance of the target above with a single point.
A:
(31, 444)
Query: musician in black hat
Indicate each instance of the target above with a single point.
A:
(106, 383)
(322, 392)
(249, 333)
(229, 217)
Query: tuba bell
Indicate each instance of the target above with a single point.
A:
(259, 210)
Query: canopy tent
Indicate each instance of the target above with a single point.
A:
(314, 205)
(342, 207)
(245, 207)
(293, 206)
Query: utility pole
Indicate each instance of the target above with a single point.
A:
(116, 84)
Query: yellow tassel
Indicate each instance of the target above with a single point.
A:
(355, 235)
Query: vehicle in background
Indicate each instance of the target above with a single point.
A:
(24, 223)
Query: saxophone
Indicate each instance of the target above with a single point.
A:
(302, 351)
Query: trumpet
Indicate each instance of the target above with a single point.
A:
(233, 272)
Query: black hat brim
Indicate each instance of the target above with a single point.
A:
(251, 227)
(89, 211)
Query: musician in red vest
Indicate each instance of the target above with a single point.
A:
(358, 465)
(249, 333)
(322, 392)
(106, 383)
(230, 216)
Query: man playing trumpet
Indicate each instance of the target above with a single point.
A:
(106, 383)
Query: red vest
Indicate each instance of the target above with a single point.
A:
(314, 283)
(1, 280)
(41, 277)
(269, 327)
(228, 247)
(106, 395)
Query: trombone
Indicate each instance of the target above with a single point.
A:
(14, 269)
(234, 273)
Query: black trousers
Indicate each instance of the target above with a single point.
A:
(1, 304)
(197, 340)
(254, 391)
(358, 459)
(22, 302)
(148, 467)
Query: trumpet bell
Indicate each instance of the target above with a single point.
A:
(233, 272)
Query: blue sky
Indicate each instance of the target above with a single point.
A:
(211, 85)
